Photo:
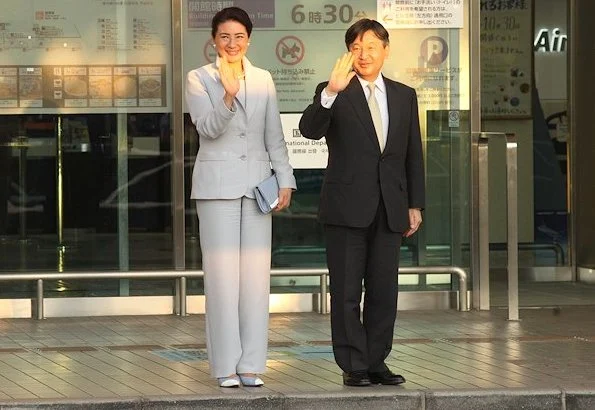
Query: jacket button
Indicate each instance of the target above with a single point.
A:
(243, 158)
(242, 135)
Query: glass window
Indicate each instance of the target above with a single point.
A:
(85, 140)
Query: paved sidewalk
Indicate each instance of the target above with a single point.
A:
(450, 359)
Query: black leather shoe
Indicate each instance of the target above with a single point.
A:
(356, 379)
(386, 377)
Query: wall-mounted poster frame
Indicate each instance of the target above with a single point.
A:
(506, 59)
(85, 57)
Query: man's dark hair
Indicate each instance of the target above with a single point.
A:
(358, 29)
(231, 13)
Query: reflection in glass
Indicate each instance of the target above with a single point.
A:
(91, 193)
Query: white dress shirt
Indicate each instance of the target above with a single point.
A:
(380, 91)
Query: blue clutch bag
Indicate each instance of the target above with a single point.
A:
(267, 194)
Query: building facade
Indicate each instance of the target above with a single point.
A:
(97, 149)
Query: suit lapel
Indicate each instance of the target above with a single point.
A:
(242, 96)
(246, 98)
(251, 86)
(357, 98)
(248, 94)
(394, 112)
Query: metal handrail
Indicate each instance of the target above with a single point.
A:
(183, 275)
(464, 305)
(154, 274)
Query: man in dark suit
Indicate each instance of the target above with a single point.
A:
(372, 196)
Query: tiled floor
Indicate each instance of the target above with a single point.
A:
(136, 356)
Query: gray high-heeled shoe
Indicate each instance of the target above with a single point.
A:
(251, 381)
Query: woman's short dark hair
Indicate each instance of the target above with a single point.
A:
(231, 13)
(358, 29)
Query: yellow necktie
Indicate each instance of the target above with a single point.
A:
(376, 118)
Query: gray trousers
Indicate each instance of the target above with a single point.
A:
(235, 240)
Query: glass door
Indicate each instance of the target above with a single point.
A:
(86, 102)
(524, 92)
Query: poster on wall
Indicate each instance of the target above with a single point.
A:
(85, 56)
(303, 153)
(506, 59)
(432, 64)
(420, 13)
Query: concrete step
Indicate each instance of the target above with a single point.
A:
(357, 399)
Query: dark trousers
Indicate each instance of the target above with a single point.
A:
(370, 255)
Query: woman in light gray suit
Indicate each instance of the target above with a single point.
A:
(234, 108)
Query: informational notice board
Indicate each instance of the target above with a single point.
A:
(506, 58)
(85, 56)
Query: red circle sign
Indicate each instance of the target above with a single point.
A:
(290, 50)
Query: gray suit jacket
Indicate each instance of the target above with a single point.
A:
(238, 146)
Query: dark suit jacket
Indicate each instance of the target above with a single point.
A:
(357, 172)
